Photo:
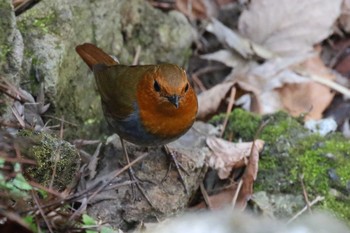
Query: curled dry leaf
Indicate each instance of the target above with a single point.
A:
(289, 27)
(210, 100)
(250, 175)
(227, 155)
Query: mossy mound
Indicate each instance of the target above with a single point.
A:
(54, 157)
(291, 151)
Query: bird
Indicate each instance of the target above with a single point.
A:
(147, 105)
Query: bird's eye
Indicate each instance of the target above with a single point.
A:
(186, 88)
(156, 86)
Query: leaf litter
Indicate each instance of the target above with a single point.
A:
(275, 55)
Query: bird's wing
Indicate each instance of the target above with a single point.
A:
(117, 86)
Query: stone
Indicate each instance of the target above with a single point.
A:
(123, 208)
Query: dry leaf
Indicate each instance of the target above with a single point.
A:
(286, 28)
(224, 56)
(226, 155)
(274, 73)
(289, 27)
(312, 98)
(284, 84)
(210, 100)
(221, 200)
(249, 176)
(198, 9)
(243, 46)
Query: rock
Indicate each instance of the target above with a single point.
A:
(166, 192)
(11, 51)
(51, 30)
(278, 205)
(11, 44)
(323, 127)
(292, 153)
(57, 161)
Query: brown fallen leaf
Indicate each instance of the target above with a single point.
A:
(228, 155)
(311, 97)
(262, 80)
(289, 27)
(249, 176)
(221, 200)
(210, 100)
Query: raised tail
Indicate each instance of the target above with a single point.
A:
(93, 55)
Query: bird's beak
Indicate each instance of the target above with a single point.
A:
(174, 99)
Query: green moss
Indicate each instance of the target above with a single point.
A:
(4, 50)
(51, 155)
(241, 124)
(291, 151)
(45, 22)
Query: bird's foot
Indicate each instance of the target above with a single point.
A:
(138, 183)
(178, 167)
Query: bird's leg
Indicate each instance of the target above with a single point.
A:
(133, 177)
(178, 167)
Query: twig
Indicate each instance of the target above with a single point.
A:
(75, 196)
(305, 193)
(208, 69)
(83, 142)
(7, 124)
(137, 55)
(162, 5)
(18, 117)
(61, 119)
(103, 186)
(41, 212)
(199, 83)
(317, 199)
(6, 87)
(235, 197)
(57, 155)
(229, 109)
(333, 85)
(329, 83)
(39, 186)
(14, 217)
(4, 156)
(205, 196)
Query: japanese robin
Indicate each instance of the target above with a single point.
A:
(147, 105)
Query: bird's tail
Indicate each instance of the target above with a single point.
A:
(93, 55)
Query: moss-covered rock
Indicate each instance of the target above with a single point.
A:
(56, 160)
(11, 51)
(292, 152)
